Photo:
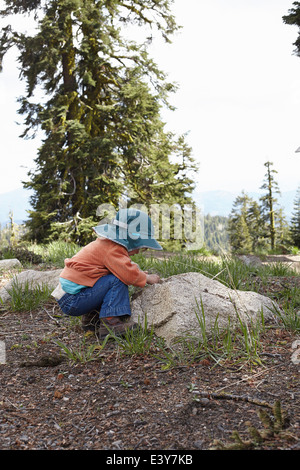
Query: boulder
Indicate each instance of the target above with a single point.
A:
(172, 305)
(9, 264)
(33, 278)
(251, 260)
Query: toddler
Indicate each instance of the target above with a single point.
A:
(94, 283)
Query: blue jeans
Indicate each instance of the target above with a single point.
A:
(109, 296)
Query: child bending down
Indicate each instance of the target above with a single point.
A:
(94, 283)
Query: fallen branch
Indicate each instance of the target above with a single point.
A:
(52, 318)
(228, 396)
(247, 378)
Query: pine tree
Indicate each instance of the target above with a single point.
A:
(104, 137)
(216, 233)
(256, 225)
(283, 238)
(239, 235)
(268, 202)
(295, 221)
(294, 19)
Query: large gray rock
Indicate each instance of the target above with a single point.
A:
(33, 278)
(6, 264)
(171, 306)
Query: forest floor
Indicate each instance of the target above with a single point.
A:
(117, 402)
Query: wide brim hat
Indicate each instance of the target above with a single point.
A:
(131, 228)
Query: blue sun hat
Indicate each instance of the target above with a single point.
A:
(131, 228)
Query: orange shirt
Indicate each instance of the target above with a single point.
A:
(99, 258)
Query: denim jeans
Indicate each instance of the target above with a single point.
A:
(109, 296)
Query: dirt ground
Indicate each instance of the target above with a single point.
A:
(121, 403)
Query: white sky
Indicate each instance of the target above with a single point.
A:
(238, 97)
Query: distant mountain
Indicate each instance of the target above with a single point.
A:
(16, 201)
(221, 202)
(213, 203)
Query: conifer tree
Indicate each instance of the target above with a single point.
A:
(283, 236)
(239, 235)
(256, 225)
(293, 18)
(268, 202)
(216, 233)
(246, 226)
(100, 112)
(295, 221)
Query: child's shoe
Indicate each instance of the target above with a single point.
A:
(117, 326)
(90, 321)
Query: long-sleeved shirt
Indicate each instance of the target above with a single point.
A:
(99, 258)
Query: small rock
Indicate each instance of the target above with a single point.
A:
(198, 444)
(251, 260)
(117, 445)
(140, 410)
(203, 401)
(295, 358)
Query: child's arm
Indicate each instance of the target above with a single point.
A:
(118, 263)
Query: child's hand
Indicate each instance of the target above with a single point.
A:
(152, 279)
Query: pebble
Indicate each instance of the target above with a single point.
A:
(118, 445)
(203, 401)
(198, 444)
(295, 358)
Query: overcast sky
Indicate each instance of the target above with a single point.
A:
(238, 97)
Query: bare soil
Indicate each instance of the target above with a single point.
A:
(122, 403)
